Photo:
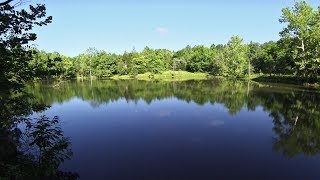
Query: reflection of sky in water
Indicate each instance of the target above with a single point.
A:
(186, 130)
(170, 135)
(216, 123)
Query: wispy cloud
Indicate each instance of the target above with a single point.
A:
(162, 30)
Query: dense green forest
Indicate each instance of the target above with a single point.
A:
(295, 54)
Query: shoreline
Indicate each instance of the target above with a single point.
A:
(185, 76)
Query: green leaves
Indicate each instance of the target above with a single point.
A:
(236, 54)
(15, 34)
(47, 136)
(303, 32)
(39, 149)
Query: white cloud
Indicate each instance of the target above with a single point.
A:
(162, 30)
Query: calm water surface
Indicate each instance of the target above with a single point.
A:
(213, 129)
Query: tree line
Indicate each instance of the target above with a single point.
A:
(234, 59)
(296, 53)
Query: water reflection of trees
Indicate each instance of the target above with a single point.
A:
(103, 92)
(296, 118)
(30, 148)
(295, 112)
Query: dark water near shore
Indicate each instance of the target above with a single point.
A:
(213, 129)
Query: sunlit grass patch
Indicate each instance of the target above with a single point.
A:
(166, 75)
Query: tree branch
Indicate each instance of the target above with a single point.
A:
(20, 3)
(5, 2)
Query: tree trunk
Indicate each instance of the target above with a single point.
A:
(249, 69)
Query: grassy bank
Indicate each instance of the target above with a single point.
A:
(166, 76)
(286, 79)
(184, 75)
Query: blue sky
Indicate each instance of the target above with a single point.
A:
(119, 25)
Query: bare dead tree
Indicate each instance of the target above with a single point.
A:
(5, 2)
(18, 3)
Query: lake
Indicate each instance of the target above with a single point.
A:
(201, 130)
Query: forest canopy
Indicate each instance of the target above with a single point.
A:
(296, 54)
